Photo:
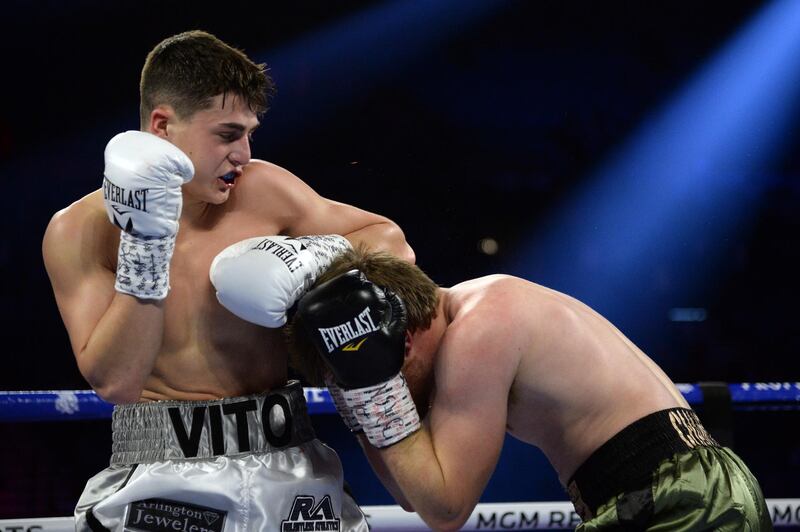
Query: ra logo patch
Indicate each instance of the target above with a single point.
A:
(307, 514)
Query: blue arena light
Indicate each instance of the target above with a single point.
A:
(649, 226)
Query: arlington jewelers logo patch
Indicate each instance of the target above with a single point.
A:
(157, 515)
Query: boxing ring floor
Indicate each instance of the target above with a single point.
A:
(21, 408)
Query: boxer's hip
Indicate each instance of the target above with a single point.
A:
(666, 469)
(174, 430)
(245, 463)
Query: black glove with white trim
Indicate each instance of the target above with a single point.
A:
(359, 329)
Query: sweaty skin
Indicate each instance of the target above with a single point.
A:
(505, 354)
(188, 347)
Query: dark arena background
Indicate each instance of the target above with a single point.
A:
(640, 156)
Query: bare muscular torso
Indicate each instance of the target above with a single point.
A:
(578, 379)
(206, 352)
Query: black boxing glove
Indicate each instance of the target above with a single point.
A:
(359, 330)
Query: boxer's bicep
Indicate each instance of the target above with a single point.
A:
(308, 213)
(467, 421)
(467, 426)
(357, 225)
(82, 285)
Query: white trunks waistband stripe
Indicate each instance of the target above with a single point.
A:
(178, 430)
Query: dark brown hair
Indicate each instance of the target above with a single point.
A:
(418, 292)
(186, 71)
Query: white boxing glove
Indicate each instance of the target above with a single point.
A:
(259, 279)
(142, 196)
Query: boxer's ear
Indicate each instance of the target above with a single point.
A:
(160, 118)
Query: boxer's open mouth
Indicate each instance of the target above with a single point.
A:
(229, 178)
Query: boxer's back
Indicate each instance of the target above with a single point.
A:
(579, 379)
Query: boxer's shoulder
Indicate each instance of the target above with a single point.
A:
(270, 191)
(86, 209)
(487, 318)
(82, 225)
(488, 285)
(264, 176)
(485, 298)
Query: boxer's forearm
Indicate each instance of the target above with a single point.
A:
(379, 467)
(424, 481)
(384, 236)
(121, 351)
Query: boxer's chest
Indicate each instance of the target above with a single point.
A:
(192, 313)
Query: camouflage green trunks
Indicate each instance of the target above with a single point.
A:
(664, 472)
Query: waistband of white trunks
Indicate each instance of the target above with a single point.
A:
(180, 430)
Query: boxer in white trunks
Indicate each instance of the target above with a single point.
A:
(208, 433)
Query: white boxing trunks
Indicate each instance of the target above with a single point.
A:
(236, 464)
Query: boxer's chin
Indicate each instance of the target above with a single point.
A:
(216, 195)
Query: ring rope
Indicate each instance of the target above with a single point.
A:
(486, 516)
(65, 405)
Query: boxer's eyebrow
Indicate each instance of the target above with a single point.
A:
(239, 127)
(233, 130)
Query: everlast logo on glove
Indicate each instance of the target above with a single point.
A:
(350, 330)
(135, 199)
(287, 254)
